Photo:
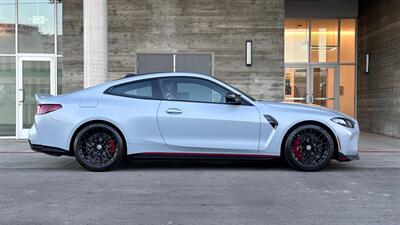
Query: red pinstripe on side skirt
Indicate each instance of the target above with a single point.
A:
(208, 154)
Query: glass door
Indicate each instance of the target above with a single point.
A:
(323, 88)
(316, 84)
(36, 75)
(296, 84)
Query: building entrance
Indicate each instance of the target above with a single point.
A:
(320, 63)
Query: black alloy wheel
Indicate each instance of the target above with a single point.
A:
(309, 148)
(99, 147)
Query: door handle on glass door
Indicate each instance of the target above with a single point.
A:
(21, 95)
(173, 111)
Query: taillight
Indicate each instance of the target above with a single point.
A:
(46, 108)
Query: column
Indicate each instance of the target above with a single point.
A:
(95, 23)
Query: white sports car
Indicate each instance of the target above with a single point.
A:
(187, 115)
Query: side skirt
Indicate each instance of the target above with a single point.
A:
(184, 155)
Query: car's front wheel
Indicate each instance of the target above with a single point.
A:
(309, 148)
(99, 147)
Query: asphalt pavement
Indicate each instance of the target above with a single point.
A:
(40, 189)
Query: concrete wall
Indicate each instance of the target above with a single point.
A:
(220, 27)
(72, 45)
(379, 91)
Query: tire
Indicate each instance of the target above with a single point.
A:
(99, 147)
(309, 148)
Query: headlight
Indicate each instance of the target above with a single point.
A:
(343, 121)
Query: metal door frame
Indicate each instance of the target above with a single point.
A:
(307, 68)
(309, 98)
(336, 82)
(22, 133)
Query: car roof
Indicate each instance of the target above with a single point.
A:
(163, 74)
(137, 77)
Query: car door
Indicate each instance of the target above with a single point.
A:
(195, 117)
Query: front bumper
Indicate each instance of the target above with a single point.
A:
(347, 141)
(48, 150)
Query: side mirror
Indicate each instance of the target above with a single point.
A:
(232, 98)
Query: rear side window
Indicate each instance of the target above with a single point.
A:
(138, 89)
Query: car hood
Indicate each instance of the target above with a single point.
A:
(303, 108)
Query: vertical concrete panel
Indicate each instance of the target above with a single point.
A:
(379, 91)
(72, 45)
(221, 27)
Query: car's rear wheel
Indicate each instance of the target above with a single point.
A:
(309, 148)
(99, 147)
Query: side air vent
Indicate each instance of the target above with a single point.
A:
(274, 123)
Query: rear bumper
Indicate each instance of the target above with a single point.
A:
(47, 131)
(49, 150)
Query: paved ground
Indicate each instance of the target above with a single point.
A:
(40, 189)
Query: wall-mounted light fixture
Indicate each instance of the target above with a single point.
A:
(367, 63)
(249, 45)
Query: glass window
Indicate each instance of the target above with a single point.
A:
(7, 26)
(347, 92)
(36, 80)
(136, 89)
(296, 41)
(324, 40)
(36, 26)
(7, 96)
(189, 89)
(347, 40)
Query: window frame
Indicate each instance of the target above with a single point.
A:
(154, 85)
(243, 101)
(193, 81)
(160, 97)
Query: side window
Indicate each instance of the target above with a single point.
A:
(190, 89)
(144, 89)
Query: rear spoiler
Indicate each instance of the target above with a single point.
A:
(40, 97)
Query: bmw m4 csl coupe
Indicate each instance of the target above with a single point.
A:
(187, 115)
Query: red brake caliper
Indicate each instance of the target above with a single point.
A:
(112, 147)
(296, 149)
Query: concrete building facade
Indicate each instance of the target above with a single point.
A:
(379, 90)
(302, 51)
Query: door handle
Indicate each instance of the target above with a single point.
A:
(21, 95)
(173, 111)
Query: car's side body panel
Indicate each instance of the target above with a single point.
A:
(209, 127)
